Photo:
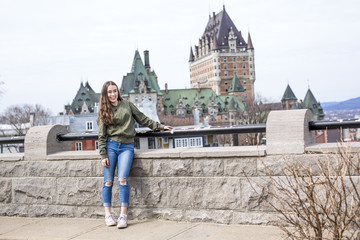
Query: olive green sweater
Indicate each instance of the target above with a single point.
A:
(122, 129)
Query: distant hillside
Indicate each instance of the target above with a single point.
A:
(353, 103)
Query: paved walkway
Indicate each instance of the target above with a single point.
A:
(91, 229)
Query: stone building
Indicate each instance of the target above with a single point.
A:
(222, 56)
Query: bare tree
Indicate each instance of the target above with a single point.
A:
(319, 201)
(255, 112)
(225, 139)
(19, 117)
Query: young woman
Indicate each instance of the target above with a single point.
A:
(116, 121)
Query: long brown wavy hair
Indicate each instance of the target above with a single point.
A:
(105, 113)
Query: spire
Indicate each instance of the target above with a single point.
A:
(250, 45)
(236, 85)
(309, 99)
(315, 107)
(288, 94)
(191, 58)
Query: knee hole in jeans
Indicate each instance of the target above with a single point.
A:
(108, 184)
(123, 181)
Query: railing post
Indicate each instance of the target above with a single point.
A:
(41, 141)
(287, 132)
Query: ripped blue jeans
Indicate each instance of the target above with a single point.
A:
(120, 155)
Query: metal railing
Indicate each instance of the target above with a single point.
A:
(196, 131)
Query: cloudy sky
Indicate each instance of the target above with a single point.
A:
(47, 47)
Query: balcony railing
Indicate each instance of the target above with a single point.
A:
(196, 131)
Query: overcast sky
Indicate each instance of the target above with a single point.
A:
(48, 47)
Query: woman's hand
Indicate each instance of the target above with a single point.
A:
(166, 128)
(105, 162)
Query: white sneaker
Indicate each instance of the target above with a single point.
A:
(122, 221)
(109, 220)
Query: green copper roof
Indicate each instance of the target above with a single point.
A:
(188, 96)
(236, 85)
(315, 107)
(237, 103)
(309, 99)
(131, 81)
(85, 94)
(288, 94)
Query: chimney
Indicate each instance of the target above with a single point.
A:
(32, 117)
(198, 87)
(147, 62)
(166, 88)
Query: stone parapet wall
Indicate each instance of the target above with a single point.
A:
(177, 184)
(221, 185)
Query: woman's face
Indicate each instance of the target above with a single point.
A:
(112, 94)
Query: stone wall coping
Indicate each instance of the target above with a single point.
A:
(238, 151)
(353, 147)
(74, 155)
(11, 157)
(208, 152)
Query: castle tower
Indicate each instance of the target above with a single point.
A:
(289, 99)
(221, 54)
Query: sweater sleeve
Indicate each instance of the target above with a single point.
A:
(102, 136)
(143, 120)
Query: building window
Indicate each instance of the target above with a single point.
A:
(151, 143)
(149, 98)
(244, 82)
(244, 59)
(226, 83)
(250, 59)
(226, 90)
(234, 66)
(224, 59)
(244, 73)
(244, 66)
(215, 67)
(89, 126)
(234, 59)
(250, 65)
(251, 73)
(136, 99)
(136, 143)
(225, 73)
(165, 140)
(78, 146)
(188, 142)
(225, 66)
(96, 145)
(245, 88)
(214, 59)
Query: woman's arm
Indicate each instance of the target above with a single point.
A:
(102, 136)
(143, 120)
